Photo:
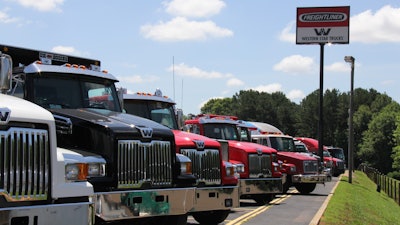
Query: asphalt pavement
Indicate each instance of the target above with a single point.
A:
(293, 208)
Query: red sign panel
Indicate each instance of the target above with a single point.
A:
(323, 25)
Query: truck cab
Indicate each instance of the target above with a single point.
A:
(215, 175)
(302, 169)
(144, 179)
(337, 165)
(260, 177)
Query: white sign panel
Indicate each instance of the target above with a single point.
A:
(323, 25)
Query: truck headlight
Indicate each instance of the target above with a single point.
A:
(96, 169)
(76, 172)
(230, 169)
(240, 168)
(293, 169)
(185, 164)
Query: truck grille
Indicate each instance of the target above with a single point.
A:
(260, 166)
(310, 166)
(340, 165)
(141, 164)
(25, 164)
(206, 165)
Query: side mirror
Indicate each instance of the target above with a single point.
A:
(5, 72)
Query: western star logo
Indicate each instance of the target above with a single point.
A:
(199, 144)
(322, 31)
(259, 151)
(146, 132)
(4, 115)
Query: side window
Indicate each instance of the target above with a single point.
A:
(192, 128)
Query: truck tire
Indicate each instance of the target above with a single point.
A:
(211, 217)
(305, 188)
(285, 187)
(263, 199)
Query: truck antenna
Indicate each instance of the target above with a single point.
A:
(173, 75)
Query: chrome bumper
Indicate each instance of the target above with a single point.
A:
(260, 186)
(216, 198)
(120, 205)
(60, 214)
(311, 178)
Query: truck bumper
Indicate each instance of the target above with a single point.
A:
(311, 178)
(252, 186)
(60, 214)
(119, 205)
(216, 198)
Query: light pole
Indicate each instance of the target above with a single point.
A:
(350, 59)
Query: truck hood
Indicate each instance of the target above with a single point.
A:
(183, 138)
(250, 147)
(296, 156)
(116, 121)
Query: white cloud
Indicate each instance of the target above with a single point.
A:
(270, 88)
(295, 95)
(42, 5)
(338, 67)
(5, 18)
(296, 64)
(194, 8)
(137, 79)
(383, 26)
(388, 82)
(286, 34)
(234, 82)
(68, 50)
(181, 29)
(187, 71)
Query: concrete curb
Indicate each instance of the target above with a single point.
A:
(318, 215)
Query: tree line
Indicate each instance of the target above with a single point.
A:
(376, 121)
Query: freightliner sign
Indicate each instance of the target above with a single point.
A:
(318, 25)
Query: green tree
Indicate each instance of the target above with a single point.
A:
(218, 106)
(396, 148)
(377, 141)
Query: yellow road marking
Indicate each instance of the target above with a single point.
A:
(261, 209)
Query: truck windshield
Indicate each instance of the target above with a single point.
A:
(69, 91)
(282, 144)
(160, 112)
(221, 131)
(337, 153)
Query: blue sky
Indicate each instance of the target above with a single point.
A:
(195, 50)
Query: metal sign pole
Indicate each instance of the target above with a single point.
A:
(321, 103)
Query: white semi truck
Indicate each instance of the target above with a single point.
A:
(39, 183)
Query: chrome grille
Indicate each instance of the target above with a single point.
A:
(310, 166)
(25, 164)
(144, 164)
(260, 165)
(206, 165)
(340, 165)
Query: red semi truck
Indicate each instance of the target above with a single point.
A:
(337, 165)
(260, 174)
(302, 170)
(217, 190)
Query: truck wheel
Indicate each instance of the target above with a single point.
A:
(263, 199)
(305, 188)
(285, 187)
(211, 217)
